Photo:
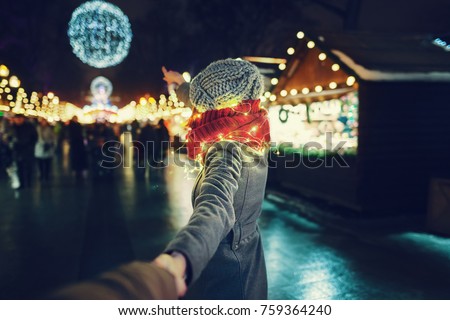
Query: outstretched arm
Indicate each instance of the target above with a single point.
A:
(182, 90)
(213, 216)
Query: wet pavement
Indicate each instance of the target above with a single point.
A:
(55, 234)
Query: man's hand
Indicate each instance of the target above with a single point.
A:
(175, 264)
(172, 77)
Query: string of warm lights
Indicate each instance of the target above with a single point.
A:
(271, 98)
(15, 100)
(301, 123)
(148, 108)
(254, 139)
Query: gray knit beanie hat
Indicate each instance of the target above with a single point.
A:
(225, 83)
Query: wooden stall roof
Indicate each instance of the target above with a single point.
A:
(366, 56)
(390, 53)
(373, 40)
(306, 70)
(383, 35)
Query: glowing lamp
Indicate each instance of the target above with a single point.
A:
(351, 81)
(187, 76)
(4, 71)
(14, 82)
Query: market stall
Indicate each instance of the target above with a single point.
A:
(313, 112)
(360, 129)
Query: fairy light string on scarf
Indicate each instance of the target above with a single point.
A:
(245, 122)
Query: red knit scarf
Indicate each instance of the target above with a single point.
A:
(246, 123)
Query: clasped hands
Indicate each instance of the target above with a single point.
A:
(175, 264)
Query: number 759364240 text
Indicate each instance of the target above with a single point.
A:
(296, 310)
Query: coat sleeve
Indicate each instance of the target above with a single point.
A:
(213, 216)
(183, 94)
(136, 280)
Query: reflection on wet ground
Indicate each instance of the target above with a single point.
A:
(59, 233)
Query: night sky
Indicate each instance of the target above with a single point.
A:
(183, 35)
(186, 35)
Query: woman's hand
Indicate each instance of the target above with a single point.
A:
(175, 264)
(172, 77)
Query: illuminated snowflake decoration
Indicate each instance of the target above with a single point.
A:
(100, 34)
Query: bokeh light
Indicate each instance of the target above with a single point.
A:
(100, 34)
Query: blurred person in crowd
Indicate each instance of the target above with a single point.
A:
(7, 162)
(138, 154)
(219, 252)
(100, 134)
(60, 133)
(162, 143)
(6, 159)
(3, 126)
(5, 151)
(147, 144)
(45, 149)
(78, 156)
(117, 130)
(135, 129)
(24, 139)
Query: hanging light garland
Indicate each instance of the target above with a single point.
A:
(351, 80)
(100, 34)
(148, 108)
(339, 116)
(15, 100)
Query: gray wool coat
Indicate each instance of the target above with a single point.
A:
(222, 242)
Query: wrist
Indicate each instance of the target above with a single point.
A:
(179, 81)
(180, 262)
